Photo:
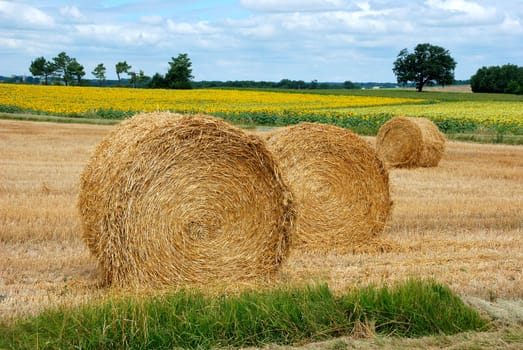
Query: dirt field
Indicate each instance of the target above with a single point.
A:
(460, 223)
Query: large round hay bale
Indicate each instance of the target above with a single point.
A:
(169, 198)
(341, 187)
(407, 142)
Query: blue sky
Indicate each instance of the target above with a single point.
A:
(326, 40)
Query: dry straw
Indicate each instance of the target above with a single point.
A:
(169, 199)
(341, 188)
(406, 142)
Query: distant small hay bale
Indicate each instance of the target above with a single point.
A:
(406, 142)
(341, 187)
(169, 198)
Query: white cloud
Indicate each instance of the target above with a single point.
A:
(118, 35)
(23, 15)
(261, 39)
(364, 5)
(71, 11)
(293, 5)
(186, 28)
(319, 26)
(151, 20)
(456, 5)
(512, 25)
(471, 10)
(9, 43)
(262, 31)
(109, 32)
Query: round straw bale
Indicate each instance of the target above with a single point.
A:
(406, 142)
(169, 198)
(341, 187)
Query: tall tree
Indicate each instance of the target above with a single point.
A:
(180, 73)
(428, 64)
(142, 78)
(505, 79)
(76, 71)
(350, 85)
(138, 79)
(157, 82)
(133, 78)
(122, 67)
(42, 68)
(99, 73)
(61, 63)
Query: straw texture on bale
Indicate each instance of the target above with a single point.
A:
(170, 199)
(340, 186)
(406, 142)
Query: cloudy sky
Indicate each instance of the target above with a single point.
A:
(327, 40)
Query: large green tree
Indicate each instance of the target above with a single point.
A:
(42, 68)
(505, 79)
(428, 64)
(68, 68)
(180, 73)
(99, 73)
(76, 70)
(122, 67)
(61, 63)
(138, 79)
(157, 82)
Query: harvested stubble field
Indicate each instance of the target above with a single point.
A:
(460, 223)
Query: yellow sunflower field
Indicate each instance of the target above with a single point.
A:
(363, 114)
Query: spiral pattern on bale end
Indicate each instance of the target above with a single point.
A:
(169, 198)
(407, 142)
(341, 187)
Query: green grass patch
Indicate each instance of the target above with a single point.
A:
(363, 125)
(435, 96)
(412, 309)
(57, 119)
(189, 319)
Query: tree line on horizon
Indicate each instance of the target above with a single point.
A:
(498, 79)
(427, 65)
(65, 69)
